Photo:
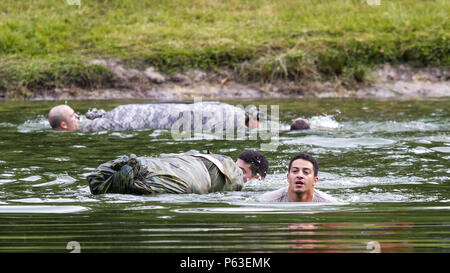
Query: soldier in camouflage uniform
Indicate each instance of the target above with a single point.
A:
(190, 172)
(212, 116)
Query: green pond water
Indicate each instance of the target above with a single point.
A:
(386, 160)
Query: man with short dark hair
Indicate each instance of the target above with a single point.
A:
(302, 176)
(299, 124)
(253, 164)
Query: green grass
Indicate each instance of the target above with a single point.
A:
(46, 43)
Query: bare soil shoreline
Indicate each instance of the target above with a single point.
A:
(396, 82)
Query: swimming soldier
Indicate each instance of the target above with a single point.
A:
(213, 116)
(210, 116)
(253, 164)
(302, 176)
(190, 172)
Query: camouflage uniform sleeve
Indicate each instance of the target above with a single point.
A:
(141, 116)
(218, 181)
(130, 116)
(219, 117)
(123, 117)
(95, 113)
(216, 117)
(231, 172)
(102, 124)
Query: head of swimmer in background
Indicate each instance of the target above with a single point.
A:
(63, 118)
(252, 120)
(253, 164)
(299, 124)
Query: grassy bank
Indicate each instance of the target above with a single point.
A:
(47, 43)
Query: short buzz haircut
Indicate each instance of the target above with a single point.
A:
(55, 122)
(55, 117)
(308, 158)
(258, 162)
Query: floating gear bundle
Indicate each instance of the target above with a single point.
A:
(190, 172)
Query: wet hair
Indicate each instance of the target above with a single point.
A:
(308, 158)
(55, 121)
(299, 124)
(258, 162)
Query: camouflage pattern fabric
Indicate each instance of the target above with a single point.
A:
(213, 116)
(233, 177)
(172, 173)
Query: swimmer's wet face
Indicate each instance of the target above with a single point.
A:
(72, 121)
(63, 118)
(253, 164)
(246, 171)
(301, 177)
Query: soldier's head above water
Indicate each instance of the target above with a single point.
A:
(214, 116)
(153, 116)
(253, 164)
(63, 118)
(299, 124)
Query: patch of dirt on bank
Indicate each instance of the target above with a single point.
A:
(387, 81)
(403, 81)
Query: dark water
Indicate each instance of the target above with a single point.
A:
(387, 161)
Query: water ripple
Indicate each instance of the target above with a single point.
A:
(41, 209)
